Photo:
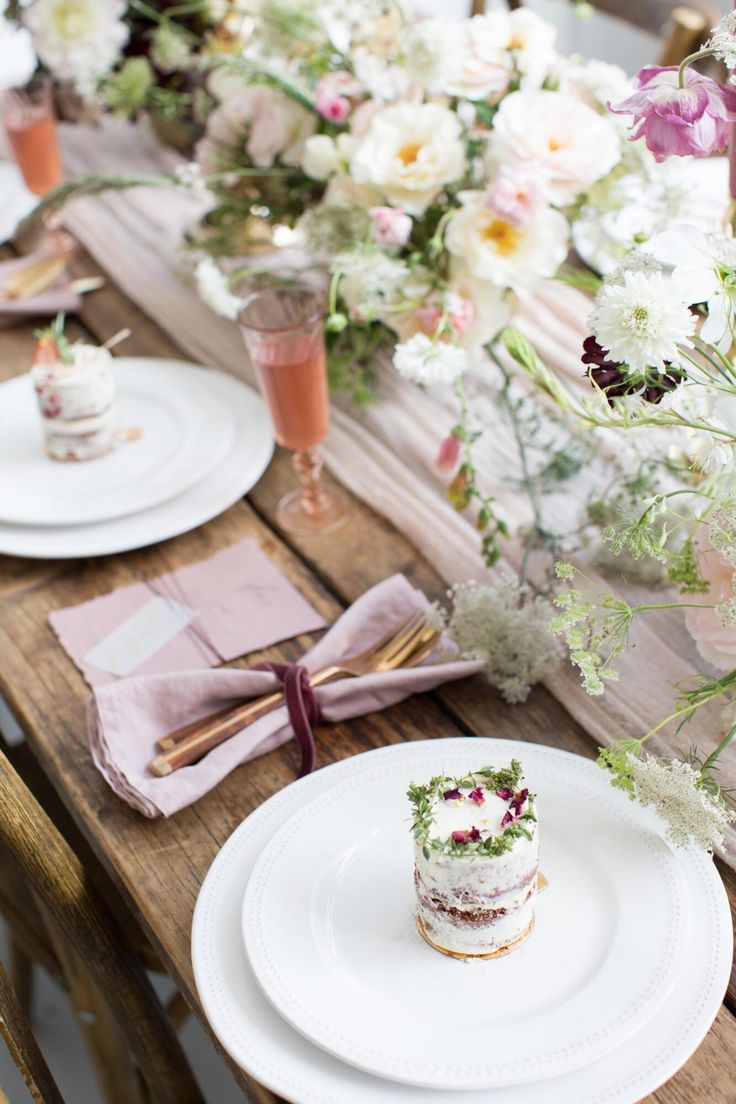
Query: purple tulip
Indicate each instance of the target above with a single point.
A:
(692, 120)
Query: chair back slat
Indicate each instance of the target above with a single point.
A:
(57, 878)
(23, 1048)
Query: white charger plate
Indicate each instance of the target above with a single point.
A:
(240, 469)
(185, 430)
(329, 923)
(276, 1055)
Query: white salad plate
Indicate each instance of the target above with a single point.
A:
(16, 201)
(183, 430)
(329, 923)
(275, 1054)
(244, 461)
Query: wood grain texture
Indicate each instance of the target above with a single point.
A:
(158, 866)
(24, 1050)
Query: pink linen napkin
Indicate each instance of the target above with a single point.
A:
(57, 298)
(126, 718)
(200, 615)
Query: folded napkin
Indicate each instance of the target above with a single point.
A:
(57, 298)
(126, 718)
(200, 615)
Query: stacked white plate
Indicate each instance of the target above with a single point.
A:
(315, 979)
(200, 440)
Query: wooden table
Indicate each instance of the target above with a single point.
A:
(158, 866)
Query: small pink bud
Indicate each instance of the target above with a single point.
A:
(448, 456)
(391, 225)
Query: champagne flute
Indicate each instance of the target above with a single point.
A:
(30, 124)
(283, 330)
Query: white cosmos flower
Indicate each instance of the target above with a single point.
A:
(78, 40)
(214, 290)
(409, 153)
(642, 321)
(704, 268)
(17, 56)
(558, 136)
(423, 360)
(510, 256)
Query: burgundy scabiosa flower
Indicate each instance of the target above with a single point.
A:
(694, 120)
(452, 795)
(476, 795)
(616, 381)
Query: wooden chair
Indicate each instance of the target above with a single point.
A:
(682, 28)
(23, 1048)
(130, 1039)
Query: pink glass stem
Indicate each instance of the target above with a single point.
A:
(308, 467)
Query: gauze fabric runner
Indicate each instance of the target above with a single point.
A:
(126, 718)
(384, 453)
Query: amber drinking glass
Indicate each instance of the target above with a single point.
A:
(30, 124)
(283, 329)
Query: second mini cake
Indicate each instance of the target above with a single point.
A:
(476, 855)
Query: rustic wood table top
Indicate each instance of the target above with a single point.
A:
(158, 866)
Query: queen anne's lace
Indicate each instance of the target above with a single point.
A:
(674, 789)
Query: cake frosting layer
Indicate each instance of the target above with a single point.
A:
(476, 859)
(75, 388)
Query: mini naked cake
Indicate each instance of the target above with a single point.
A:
(75, 389)
(476, 853)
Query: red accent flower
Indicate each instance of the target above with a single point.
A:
(452, 795)
(615, 381)
(471, 835)
(515, 808)
(505, 795)
(476, 795)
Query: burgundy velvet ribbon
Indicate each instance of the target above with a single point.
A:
(301, 705)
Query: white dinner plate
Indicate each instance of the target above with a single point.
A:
(240, 469)
(329, 923)
(263, 1044)
(184, 429)
(16, 201)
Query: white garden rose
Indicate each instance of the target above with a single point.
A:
(411, 151)
(270, 124)
(78, 40)
(510, 256)
(561, 138)
(321, 157)
(17, 56)
(596, 83)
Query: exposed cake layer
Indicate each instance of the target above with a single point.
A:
(476, 905)
(76, 397)
(476, 859)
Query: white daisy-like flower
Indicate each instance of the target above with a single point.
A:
(214, 290)
(691, 813)
(78, 40)
(190, 176)
(422, 360)
(723, 40)
(642, 321)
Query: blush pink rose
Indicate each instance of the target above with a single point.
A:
(715, 642)
(694, 120)
(517, 195)
(333, 96)
(391, 225)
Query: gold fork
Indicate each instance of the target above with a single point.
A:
(405, 645)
